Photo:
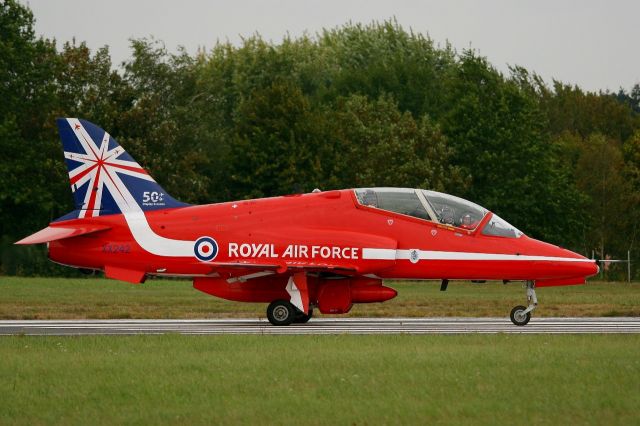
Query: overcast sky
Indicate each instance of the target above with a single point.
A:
(590, 43)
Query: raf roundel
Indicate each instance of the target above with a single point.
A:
(205, 249)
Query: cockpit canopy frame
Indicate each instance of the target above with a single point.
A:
(435, 207)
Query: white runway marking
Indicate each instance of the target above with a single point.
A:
(322, 326)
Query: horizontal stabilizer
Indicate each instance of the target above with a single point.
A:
(53, 233)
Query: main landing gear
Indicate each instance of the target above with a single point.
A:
(282, 312)
(520, 315)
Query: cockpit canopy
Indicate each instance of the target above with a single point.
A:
(437, 207)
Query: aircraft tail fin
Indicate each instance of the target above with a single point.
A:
(104, 178)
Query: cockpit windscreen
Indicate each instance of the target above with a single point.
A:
(454, 211)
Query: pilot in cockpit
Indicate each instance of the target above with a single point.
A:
(446, 215)
(467, 222)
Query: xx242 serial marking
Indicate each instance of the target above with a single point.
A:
(116, 248)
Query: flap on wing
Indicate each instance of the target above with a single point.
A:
(52, 233)
(246, 264)
(285, 266)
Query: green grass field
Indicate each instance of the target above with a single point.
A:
(60, 298)
(397, 379)
(401, 379)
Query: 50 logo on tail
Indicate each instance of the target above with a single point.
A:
(152, 198)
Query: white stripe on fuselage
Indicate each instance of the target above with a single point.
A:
(154, 243)
(400, 254)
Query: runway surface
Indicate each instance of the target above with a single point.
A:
(322, 326)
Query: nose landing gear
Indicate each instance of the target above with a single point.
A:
(521, 315)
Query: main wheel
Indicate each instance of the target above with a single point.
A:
(303, 318)
(281, 312)
(518, 317)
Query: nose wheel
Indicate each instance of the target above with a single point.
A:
(520, 315)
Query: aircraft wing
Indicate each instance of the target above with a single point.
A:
(53, 233)
(256, 280)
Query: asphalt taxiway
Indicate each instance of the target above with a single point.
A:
(320, 326)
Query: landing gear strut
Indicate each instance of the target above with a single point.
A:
(302, 318)
(521, 315)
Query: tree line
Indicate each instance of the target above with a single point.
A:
(358, 105)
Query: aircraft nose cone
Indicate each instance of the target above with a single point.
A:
(568, 267)
(583, 266)
(592, 268)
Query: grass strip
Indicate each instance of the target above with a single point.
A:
(399, 379)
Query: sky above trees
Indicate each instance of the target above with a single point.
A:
(590, 43)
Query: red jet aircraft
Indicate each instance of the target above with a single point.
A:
(325, 250)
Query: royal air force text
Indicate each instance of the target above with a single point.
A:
(292, 251)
